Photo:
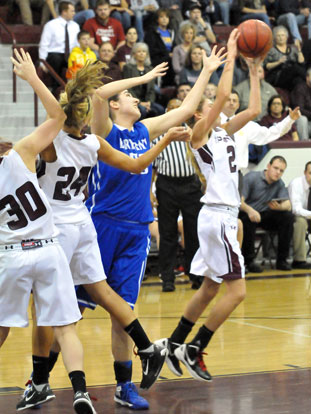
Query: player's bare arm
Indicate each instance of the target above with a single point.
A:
(160, 124)
(201, 130)
(33, 144)
(118, 159)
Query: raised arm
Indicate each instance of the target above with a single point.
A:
(158, 125)
(202, 127)
(101, 123)
(118, 159)
(33, 144)
(254, 104)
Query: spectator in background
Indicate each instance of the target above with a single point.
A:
(58, 38)
(276, 113)
(139, 65)
(210, 91)
(119, 9)
(300, 196)
(144, 13)
(213, 12)
(193, 66)
(254, 9)
(25, 8)
(266, 91)
(187, 33)
(182, 90)
(284, 63)
(104, 28)
(204, 32)
(224, 6)
(301, 96)
(292, 14)
(123, 54)
(261, 189)
(106, 54)
(160, 40)
(80, 54)
(175, 10)
(80, 16)
(240, 72)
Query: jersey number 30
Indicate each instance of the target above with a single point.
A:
(28, 205)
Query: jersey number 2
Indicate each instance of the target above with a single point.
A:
(231, 159)
(15, 210)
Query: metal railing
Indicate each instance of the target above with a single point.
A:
(13, 38)
(56, 77)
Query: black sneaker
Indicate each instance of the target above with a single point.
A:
(82, 403)
(152, 362)
(168, 287)
(171, 360)
(192, 358)
(32, 397)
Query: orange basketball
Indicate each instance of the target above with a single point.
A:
(255, 38)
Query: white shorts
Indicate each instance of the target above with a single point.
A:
(219, 255)
(45, 271)
(79, 242)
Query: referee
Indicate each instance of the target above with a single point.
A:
(178, 189)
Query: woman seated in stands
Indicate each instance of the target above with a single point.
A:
(187, 33)
(138, 65)
(193, 66)
(284, 63)
(276, 113)
(106, 54)
(123, 54)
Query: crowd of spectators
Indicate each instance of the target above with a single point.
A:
(133, 36)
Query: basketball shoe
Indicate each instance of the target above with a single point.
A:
(152, 360)
(171, 361)
(127, 395)
(82, 403)
(192, 357)
(32, 397)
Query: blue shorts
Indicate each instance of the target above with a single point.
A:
(124, 248)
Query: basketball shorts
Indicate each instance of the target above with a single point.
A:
(124, 248)
(79, 242)
(45, 272)
(219, 255)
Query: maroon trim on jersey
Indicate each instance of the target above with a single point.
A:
(1, 159)
(206, 154)
(234, 267)
(77, 138)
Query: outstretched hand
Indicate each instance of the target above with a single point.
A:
(215, 59)
(23, 66)
(180, 133)
(159, 70)
(232, 43)
(295, 113)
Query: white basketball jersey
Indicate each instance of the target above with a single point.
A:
(24, 209)
(64, 180)
(217, 161)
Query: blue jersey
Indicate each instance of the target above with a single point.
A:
(119, 194)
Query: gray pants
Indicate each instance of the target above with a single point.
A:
(303, 128)
(299, 239)
(26, 12)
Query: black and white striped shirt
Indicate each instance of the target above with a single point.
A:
(173, 160)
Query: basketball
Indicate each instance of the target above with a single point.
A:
(255, 38)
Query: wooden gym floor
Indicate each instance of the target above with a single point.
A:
(260, 358)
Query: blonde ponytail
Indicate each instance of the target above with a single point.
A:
(76, 101)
